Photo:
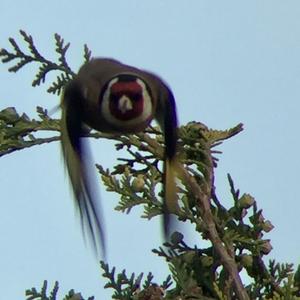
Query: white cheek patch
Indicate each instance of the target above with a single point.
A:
(147, 111)
(105, 102)
(125, 104)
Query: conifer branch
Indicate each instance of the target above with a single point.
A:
(236, 234)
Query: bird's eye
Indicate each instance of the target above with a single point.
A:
(135, 97)
(114, 97)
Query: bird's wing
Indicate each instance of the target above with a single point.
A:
(77, 159)
(167, 119)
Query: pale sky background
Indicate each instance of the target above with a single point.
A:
(226, 62)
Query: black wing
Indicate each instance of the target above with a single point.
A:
(77, 159)
(167, 119)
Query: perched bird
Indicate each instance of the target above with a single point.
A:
(112, 97)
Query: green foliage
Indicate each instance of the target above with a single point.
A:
(235, 236)
(19, 131)
(21, 58)
(33, 294)
(127, 288)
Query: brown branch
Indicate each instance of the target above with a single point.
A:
(29, 144)
(203, 199)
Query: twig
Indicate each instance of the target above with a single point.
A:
(203, 199)
(30, 144)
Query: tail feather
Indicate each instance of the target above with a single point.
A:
(170, 195)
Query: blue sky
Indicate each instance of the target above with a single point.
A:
(226, 61)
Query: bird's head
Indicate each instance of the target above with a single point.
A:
(126, 102)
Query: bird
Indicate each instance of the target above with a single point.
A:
(111, 97)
